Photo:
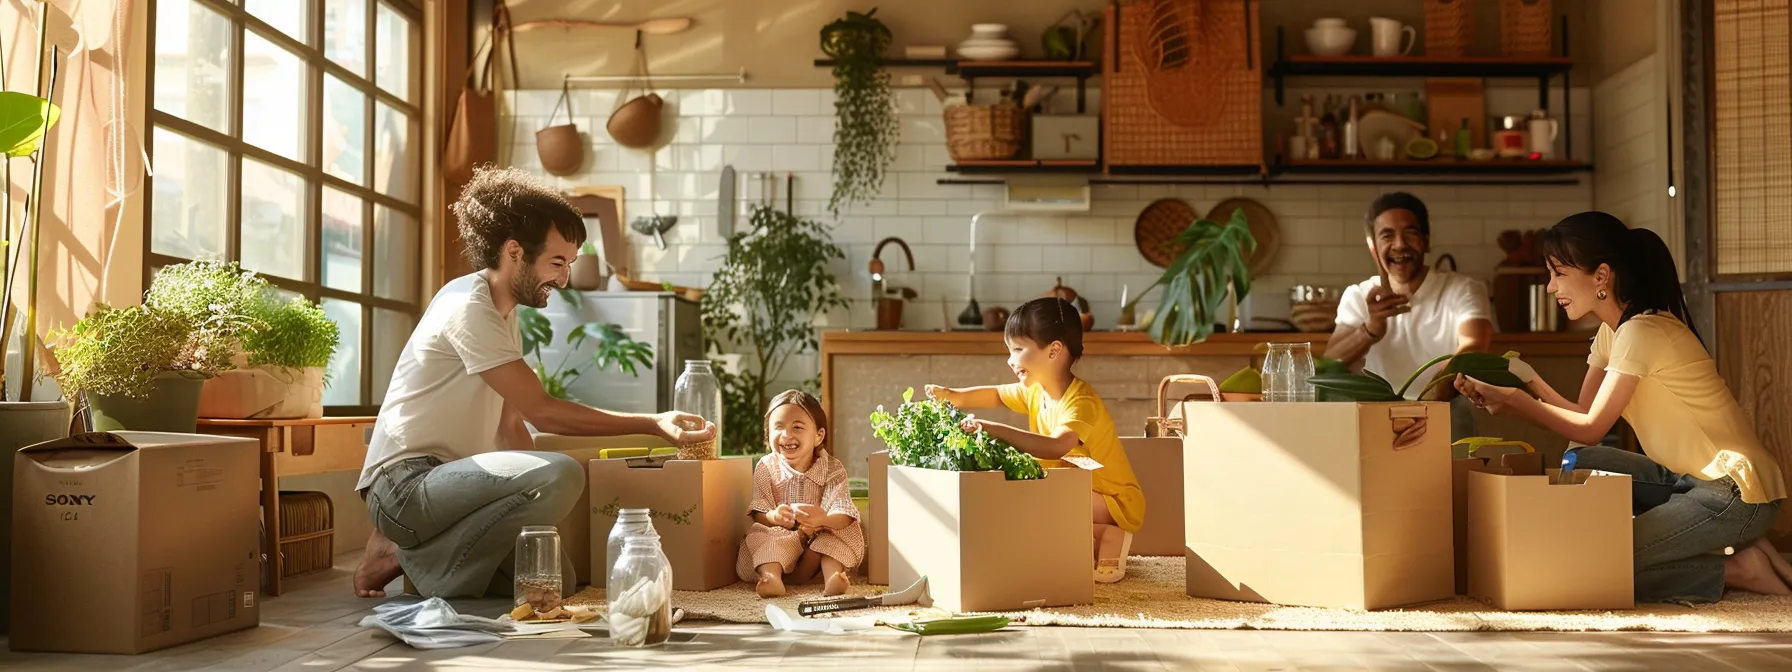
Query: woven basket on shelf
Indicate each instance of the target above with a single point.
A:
(1157, 227)
(307, 533)
(985, 132)
(1314, 316)
(1183, 84)
(702, 450)
(1525, 28)
(1449, 28)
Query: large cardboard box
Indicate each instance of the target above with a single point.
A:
(1511, 464)
(1158, 464)
(986, 543)
(1536, 543)
(575, 529)
(1311, 504)
(877, 532)
(699, 507)
(127, 542)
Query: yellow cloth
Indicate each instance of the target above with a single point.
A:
(1082, 412)
(1683, 413)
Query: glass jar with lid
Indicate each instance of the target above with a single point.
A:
(536, 575)
(639, 592)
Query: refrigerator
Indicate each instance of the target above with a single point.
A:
(667, 322)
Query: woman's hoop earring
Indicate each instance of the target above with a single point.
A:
(1601, 295)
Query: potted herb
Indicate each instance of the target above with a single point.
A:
(776, 279)
(926, 434)
(1200, 283)
(280, 372)
(612, 348)
(865, 129)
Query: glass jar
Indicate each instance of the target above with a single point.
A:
(640, 594)
(1285, 372)
(698, 393)
(536, 576)
(629, 522)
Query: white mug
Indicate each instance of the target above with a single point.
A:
(1388, 34)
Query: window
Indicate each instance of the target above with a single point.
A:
(284, 136)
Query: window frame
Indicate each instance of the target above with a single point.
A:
(310, 167)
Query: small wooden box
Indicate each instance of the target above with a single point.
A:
(1061, 137)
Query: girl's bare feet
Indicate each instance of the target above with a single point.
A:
(1780, 566)
(379, 566)
(771, 580)
(836, 585)
(1751, 570)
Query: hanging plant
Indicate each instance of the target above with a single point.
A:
(865, 129)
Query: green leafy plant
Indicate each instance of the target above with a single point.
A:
(774, 282)
(865, 130)
(1487, 368)
(612, 348)
(296, 334)
(927, 434)
(1197, 284)
(24, 120)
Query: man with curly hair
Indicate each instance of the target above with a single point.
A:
(450, 477)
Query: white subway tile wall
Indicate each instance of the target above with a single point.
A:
(1631, 148)
(1018, 257)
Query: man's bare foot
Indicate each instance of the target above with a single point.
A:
(1750, 570)
(771, 584)
(379, 566)
(1780, 566)
(836, 585)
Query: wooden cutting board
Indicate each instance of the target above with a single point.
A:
(605, 203)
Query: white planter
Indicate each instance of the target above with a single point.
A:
(264, 393)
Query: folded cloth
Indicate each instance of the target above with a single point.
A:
(433, 624)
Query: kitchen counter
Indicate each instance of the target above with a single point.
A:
(861, 370)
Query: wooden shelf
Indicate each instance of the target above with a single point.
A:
(1434, 166)
(947, 63)
(1024, 166)
(1078, 69)
(1420, 66)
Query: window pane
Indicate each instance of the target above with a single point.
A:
(189, 199)
(345, 131)
(395, 161)
(392, 63)
(342, 241)
(345, 34)
(273, 97)
(344, 388)
(192, 62)
(286, 16)
(273, 220)
(390, 331)
(395, 247)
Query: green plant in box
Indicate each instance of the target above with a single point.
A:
(295, 334)
(927, 434)
(1487, 368)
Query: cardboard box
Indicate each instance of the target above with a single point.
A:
(986, 543)
(1310, 504)
(1536, 545)
(1158, 464)
(877, 533)
(699, 507)
(575, 529)
(1514, 464)
(129, 542)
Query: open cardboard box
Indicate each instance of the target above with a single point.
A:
(1528, 463)
(575, 529)
(1313, 504)
(986, 543)
(699, 507)
(1157, 461)
(1539, 543)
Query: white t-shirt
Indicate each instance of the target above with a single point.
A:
(437, 405)
(1444, 301)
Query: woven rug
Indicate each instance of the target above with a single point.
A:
(1152, 597)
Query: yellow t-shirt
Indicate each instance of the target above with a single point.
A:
(1082, 412)
(1683, 413)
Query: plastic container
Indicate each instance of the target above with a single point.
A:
(640, 594)
(537, 579)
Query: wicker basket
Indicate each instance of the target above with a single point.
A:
(702, 450)
(307, 533)
(1525, 28)
(1314, 316)
(1184, 84)
(1449, 28)
(985, 132)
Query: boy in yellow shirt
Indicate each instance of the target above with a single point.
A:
(1065, 417)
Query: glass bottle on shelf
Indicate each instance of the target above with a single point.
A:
(536, 575)
(699, 393)
(639, 591)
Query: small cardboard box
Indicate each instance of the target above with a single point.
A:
(699, 508)
(1535, 544)
(1311, 504)
(877, 532)
(1514, 464)
(129, 542)
(1158, 464)
(575, 529)
(1059, 137)
(986, 543)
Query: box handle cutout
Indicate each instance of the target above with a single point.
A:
(1409, 424)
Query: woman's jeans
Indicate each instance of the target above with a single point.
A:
(1679, 544)
(456, 524)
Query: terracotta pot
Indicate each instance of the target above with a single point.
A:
(264, 393)
(636, 124)
(588, 274)
(995, 318)
(1088, 321)
(561, 151)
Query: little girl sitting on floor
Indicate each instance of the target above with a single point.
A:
(803, 515)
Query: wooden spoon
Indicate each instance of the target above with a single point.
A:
(665, 26)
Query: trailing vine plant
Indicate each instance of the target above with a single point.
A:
(865, 129)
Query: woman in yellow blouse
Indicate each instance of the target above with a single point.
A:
(1648, 366)
(1065, 417)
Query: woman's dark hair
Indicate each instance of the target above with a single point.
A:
(502, 204)
(810, 405)
(1045, 320)
(1644, 277)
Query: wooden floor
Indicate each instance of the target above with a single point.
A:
(313, 628)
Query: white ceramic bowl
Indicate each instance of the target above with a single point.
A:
(1330, 41)
(1328, 23)
(989, 29)
(988, 52)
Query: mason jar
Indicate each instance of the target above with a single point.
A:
(536, 577)
(639, 592)
(699, 393)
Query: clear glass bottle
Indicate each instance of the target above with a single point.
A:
(699, 393)
(1285, 372)
(629, 522)
(536, 576)
(640, 594)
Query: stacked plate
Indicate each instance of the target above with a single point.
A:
(988, 42)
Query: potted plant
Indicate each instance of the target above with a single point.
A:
(24, 121)
(612, 348)
(280, 372)
(1367, 386)
(865, 129)
(1209, 274)
(587, 274)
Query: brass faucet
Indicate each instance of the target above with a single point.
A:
(877, 264)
